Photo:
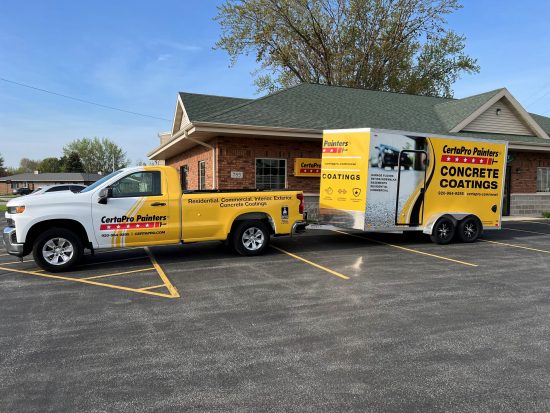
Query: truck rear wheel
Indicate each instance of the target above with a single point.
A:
(57, 250)
(469, 229)
(250, 238)
(443, 231)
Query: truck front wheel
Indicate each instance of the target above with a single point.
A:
(57, 250)
(443, 231)
(250, 238)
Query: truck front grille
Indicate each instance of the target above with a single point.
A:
(10, 222)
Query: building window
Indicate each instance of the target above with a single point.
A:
(270, 173)
(543, 179)
(202, 174)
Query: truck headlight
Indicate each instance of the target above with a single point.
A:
(388, 151)
(16, 209)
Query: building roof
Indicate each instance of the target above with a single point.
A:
(52, 177)
(313, 108)
(199, 107)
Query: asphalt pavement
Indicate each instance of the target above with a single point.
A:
(324, 322)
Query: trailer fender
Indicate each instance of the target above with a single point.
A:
(455, 217)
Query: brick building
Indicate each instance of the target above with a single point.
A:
(37, 180)
(223, 142)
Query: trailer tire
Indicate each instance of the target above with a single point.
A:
(469, 229)
(443, 231)
(250, 237)
(57, 250)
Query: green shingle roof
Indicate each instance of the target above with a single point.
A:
(199, 107)
(310, 106)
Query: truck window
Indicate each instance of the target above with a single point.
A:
(138, 184)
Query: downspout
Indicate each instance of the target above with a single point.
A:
(186, 136)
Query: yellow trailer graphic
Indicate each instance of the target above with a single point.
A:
(377, 180)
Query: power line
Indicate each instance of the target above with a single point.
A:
(81, 100)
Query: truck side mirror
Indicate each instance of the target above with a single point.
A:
(105, 194)
(376, 147)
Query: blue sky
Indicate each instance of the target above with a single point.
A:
(138, 55)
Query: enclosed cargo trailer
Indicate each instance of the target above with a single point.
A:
(381, 180)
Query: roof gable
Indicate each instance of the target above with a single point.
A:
(515, 119)
(454, 111)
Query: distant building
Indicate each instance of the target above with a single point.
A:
(225, 142)
(36, 180)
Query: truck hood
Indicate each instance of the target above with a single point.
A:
(63, 197)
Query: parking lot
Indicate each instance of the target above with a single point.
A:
(323, 321)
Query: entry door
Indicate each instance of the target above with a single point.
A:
(506, 195)
(137, 213)
(411, 184)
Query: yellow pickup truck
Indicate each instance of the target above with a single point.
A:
(143, 206)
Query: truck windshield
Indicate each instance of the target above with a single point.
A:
(99, 182)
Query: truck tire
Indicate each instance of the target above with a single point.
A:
(443, 231)
(57, 250)
(469, 229)
(250, 238)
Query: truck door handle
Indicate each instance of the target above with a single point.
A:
(158, 204)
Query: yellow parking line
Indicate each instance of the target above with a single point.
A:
(408, 249)
(79, 280)
(516, 246)
(337, 274)
(118, 273)
(152, 288)
(15, 262)
(173, 291)
(524, 230)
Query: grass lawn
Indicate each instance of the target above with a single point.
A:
(2, 208)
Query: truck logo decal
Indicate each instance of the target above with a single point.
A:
(132, 225)
(284, 213)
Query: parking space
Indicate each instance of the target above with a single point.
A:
(323, 321)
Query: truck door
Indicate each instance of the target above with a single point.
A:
(411, 184)
(137, 212)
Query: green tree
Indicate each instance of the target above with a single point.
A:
(3, 170)
(98, 155)
(28, 165)
(50, 165)
(391, 45)
(72, 163)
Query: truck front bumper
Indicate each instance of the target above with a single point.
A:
(10, 242)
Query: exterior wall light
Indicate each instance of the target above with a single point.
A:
(498, 111)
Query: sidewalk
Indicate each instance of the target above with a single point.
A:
(523, 218)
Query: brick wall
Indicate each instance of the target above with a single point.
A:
(524, 170)
(191, 158)
(5, 189)
(239, 154)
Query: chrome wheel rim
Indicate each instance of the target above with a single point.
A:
(253, 239)
(469, 230)
(443, 231)
(57, 251)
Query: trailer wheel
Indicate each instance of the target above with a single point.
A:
(469, 229)
(250, 238)
(57, 250)
(443, 231)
